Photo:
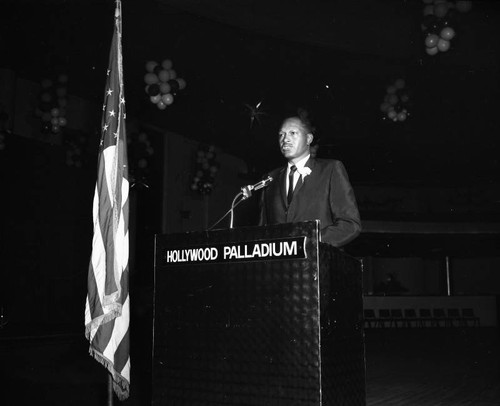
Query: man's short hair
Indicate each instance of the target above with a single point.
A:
(303, 116)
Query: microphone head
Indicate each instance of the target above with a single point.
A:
(263, 183)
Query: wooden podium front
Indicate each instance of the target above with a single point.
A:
(256, 316)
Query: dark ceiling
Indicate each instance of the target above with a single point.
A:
(335, 58)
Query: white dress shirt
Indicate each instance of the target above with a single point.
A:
(300, 166)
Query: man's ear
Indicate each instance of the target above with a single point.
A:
(310, 138)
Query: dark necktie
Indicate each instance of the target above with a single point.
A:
(290, 184)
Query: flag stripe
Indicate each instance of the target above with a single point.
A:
(107, 305)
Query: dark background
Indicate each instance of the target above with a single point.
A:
(334, 58)
(240, 53)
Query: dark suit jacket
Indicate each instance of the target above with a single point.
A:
(325, 195)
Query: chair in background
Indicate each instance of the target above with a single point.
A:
(370, 320)
(439, 318)
(384, 316)
(410, 318)
(425, 318)
(454, 317)
(468, 316)
(396, 318)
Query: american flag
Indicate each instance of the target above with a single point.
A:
(107, 306)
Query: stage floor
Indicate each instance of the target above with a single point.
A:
(404, 367)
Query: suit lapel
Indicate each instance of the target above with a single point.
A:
(310, 164)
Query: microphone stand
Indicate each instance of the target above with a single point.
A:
(244, 194)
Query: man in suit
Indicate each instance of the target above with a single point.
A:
(309, 188)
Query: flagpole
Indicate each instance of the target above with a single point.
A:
(110, 390)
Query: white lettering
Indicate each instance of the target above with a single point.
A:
(213, 253)
(265, 250)
(291, 248)
(280, 252)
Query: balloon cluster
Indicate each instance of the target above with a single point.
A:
(395, 104)
(140, 152)
(205, 171)
(52, 105)
(438, 17)
(162, 83)
(75, 147)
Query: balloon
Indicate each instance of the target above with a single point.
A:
(164, 75)
(400, 83)
(429, 10)
(154, 89)
(182, 83)
(392, 114)
(150, 78)
(173, 73)
(54, 121)
(432, 51)
(54, 112)
(174, 85)
(393, 99)
(155, 99)
(164, 88)
(463, 6)
(62, 121)
(401, 116)
(404, 98)
(441, 9)
(391, 89)
(63, 78)
(161, 105)
(447, 33)
(167, 64)
(168, 99)
(443, 45)
(431, 40)
(384, 107)
(151, 65)
(157, 70)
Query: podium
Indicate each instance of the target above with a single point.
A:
(257, 316)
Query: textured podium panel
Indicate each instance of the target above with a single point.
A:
(246, 332)
(342, 336)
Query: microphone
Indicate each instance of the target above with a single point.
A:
(247, 190)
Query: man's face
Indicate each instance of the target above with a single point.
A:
(294, 140)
